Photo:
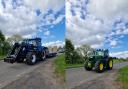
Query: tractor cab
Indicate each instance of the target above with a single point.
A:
(34, 42)
(98, 54)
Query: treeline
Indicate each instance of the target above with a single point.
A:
(75, 55)
(7, 43)
(4, 45)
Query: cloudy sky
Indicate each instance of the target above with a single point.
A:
(34, 18)
(99, 23)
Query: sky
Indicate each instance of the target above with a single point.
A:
(99, 23)
(34, 18)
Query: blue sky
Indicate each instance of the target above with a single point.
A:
(99, 23)
(32, 18)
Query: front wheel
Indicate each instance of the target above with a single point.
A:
(99, 66)
(88, 66)
(31, 58)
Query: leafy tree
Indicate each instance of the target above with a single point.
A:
(2, 37)
(82, 51)
(69, 50)
(14, 38)
(4, 45)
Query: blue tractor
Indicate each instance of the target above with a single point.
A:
(29, 51)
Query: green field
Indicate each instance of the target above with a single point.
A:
(60, 65)
(81, 65)
(123, 77)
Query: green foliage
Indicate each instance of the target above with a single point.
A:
(69, 50)
(2, 37)
(82, 51)
(14, 38)
(4, 45)
(75, 56)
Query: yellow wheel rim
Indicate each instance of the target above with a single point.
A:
(101, 66)
(110, 64)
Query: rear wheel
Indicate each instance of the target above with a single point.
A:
(88, 65)
(99, 66)
(31, 58)
(110, 64)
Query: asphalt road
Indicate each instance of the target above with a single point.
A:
(22, 76)
(78, 76)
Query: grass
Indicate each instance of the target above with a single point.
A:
(74, 65)
(2, 57)
(119, 60)
(82, 64)
(123, 77)
(60, 65)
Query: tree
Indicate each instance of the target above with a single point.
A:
(82, 51)
(2, 37)
(14, 38)
(4, 45)
(69, 51)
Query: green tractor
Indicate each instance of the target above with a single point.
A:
(99, 60)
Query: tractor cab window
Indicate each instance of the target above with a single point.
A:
(100, 53)
(33, 43)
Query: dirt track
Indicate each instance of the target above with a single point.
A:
(79, 78)
(21, 76)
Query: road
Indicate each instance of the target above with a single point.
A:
(22, 76)
(76, 77)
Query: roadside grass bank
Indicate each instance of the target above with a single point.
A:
(2, 57)
(59, 64)
(122, 77)
(74, 65)
(119, 60)
(77, 65)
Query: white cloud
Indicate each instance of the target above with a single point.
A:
(92, 23)
(47, 33)
(113, 43)
(108, 10)
(21, 18)
(57, 43)
(45, 5)
(123, 54)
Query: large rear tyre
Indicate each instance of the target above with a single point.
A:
(88, 65)
(99, 66)
(31, 58)
(109, 64)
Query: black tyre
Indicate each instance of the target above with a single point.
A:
(109, 64)
(99, 66)
(31, 58)
(43, 55)
(88, 65)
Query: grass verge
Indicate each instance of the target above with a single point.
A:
(82, 64)
(2, 57)
(123, 77)
(119, 60)
(74, 65)
(60, 66)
